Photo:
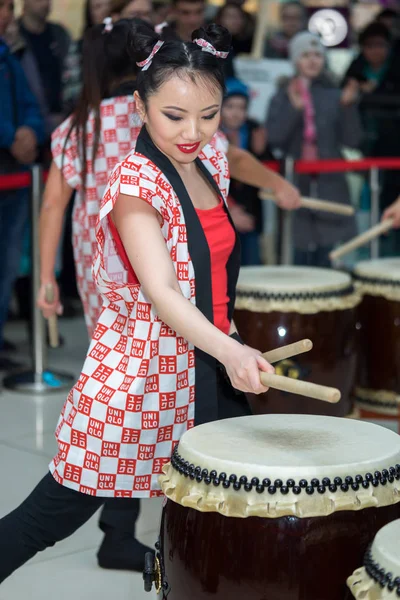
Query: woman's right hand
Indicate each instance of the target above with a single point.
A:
(49, 309)
(243, 366)
(393, 212)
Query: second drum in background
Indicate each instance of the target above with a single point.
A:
(276, 306)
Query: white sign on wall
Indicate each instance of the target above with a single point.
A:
(262, 77)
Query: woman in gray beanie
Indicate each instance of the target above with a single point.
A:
(308, 121)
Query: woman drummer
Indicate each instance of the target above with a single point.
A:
(82, 163)
(164, 355)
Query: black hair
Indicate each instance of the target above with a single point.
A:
(87, 19)
(387, 13)
(175, 2)
(374, 30)
(177, 57)
(105, 62)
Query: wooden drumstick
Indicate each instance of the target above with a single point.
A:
(315, 204)
(52, 321)
(362, 239)
(303, 388)
(274, 356)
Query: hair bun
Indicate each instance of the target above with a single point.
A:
(143, 38)
(216, 35)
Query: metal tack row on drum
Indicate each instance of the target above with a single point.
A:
(274, 507)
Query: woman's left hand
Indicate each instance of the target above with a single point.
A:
(287, 196)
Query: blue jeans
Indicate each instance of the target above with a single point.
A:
(250, 248)
(14, 212)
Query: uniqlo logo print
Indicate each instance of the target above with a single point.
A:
(63, 449)
(84, 489)
(110, 449)
(146, 452)
(192, 394)
(123, 148)
(167, 401)
(78, 438)
(101, 178)
(143, 311)
(182, 234)
(142, 483)
(99, 352)
(166, 331)
(115, 416)
(120, 346)
(182, 380)
(122, 121)
(165, 434)
(181, 415)
(92, 461)
(123, 364)
(105, 394)
(96, 428)
(126, 466)
(150, 420)
(91, 195)
(131, 327)
(130, 180)
(111, 162)
(71, 416)
(173, 253)
(154, 346)
(80, 384)
(152, 384)
(57, 477)
(110, 136)
(183, 271)
(106, 481)
(99, 331)
(134, 403)
(130, 436)
(102, 373)
(85, 404)
(167, 365)
(119, 323)
(181, 345)
(138, 347)
(192, 288)
(114, 297)
(87, 262)
(126, 384)
(158, 465)
(191, 358)
(72, 473)
(107, 110)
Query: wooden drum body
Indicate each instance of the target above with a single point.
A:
(378, 384)
(269, 507)
(280, 305)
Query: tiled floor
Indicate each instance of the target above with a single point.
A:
(27, 423)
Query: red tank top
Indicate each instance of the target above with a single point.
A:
(220, 237)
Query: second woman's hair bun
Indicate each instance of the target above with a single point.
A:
(216, 35)
(142, 40)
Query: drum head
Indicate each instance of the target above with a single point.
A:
(305, 290)
(285, 464)
(385, 549)
(382, 269)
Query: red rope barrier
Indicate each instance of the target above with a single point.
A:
(15, 181)
(344, 166)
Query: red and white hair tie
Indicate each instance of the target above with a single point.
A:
(145, 64)
(108, 25)
(207, 47)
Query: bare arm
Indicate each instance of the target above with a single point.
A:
(57, 195)
(139, 227)
(247, 169)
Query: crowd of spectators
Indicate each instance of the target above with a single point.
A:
(311, 116)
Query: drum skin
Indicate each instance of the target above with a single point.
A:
(380, 344)
(331, 362)
(208, 555)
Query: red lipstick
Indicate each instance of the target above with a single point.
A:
(188, 148)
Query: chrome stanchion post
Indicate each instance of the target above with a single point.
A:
(38, 380)
(287, 218)
(375, 192)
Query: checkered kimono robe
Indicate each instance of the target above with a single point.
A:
(142, 386)
(120, 127)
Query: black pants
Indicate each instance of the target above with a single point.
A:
(52, 513)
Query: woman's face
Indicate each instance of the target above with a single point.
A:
(99, 10)
(310, 64)
(6, 15)
(375, 51)
(182, 117)
(234, 112)
(232, 19)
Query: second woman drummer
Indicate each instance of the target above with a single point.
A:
(163, 356)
